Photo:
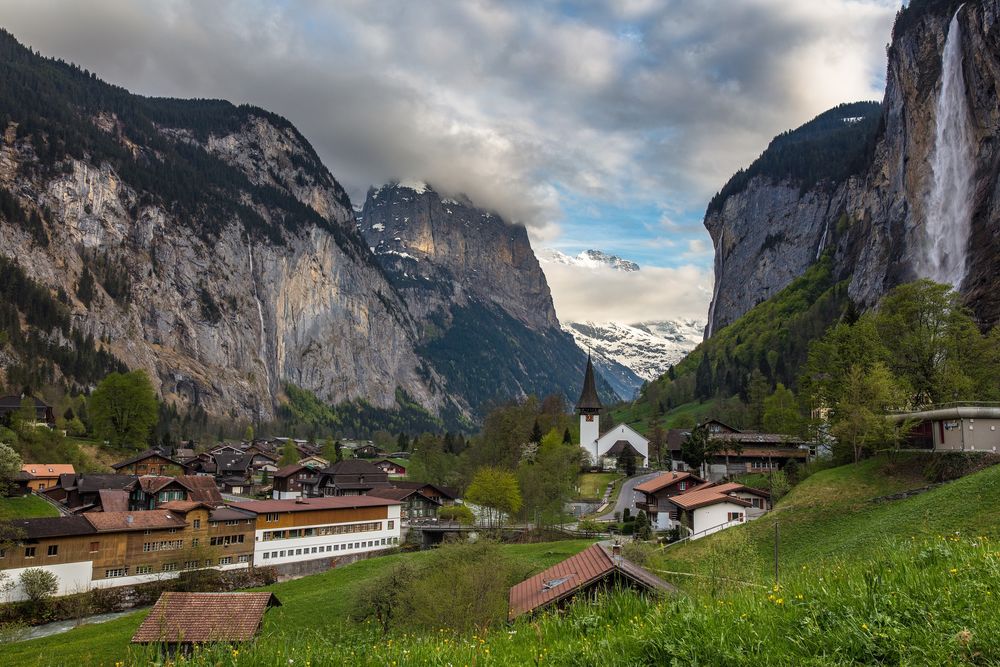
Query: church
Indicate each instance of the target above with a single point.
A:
(603, 450)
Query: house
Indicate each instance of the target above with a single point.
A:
(288, 481)
(110, 500)
(314, 529)
(367, 451)
(114, 548)
(594, 444)
(709, 508)
(314, 462)
(350, 477)
(391, 468)
(180, 620)
(147, 493)
(655, 493)
(150, 462)
(594, 569)
(45, 475)
(234, 472)
(440, 494)
(11, 404)
(81, 492)
(743, 452)
(953, 427)
(415, 506)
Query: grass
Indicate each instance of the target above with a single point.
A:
(831, 514)
(315, 604)
(25, 507)
(593, 484)
(639, 414)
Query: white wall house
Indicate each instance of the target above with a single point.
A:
(625, 433)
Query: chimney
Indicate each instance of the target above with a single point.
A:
(675, 474)
(616, 553)
(129, 519)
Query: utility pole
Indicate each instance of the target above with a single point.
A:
(776, 540)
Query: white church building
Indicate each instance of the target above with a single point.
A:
(603, 450)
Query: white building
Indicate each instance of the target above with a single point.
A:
(604, 449)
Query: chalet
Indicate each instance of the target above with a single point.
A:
(743, 452)
(288, 481)
(150, 462)
(234, 472)
(43, 413)
(178, 621)
(108, 549)
(350, 477)
(202, 464)
(82, 491)
(147, 493)
(440, 494)
(308, 529)
(655, 492)
(45, 475)
(594, 444)
(109, 500)
(709, 508)
(415, 506)
(314, 462)
(594, 569)
(391, 468)
(226, 449)
(962, 427)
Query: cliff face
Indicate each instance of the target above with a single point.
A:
(769, 228)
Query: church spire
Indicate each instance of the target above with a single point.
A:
(589, 400)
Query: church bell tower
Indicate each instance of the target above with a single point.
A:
(589, 409)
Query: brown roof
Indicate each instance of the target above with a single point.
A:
(310, 504)
(204, 617)
(399, 494)
(47, 469)
(729, 487)
(757, 438)
(288, 470)
(202, 488)
(666, 479)
(61, 526)
(702, 497)
(113, 500)
(106, 522)
(589, 400)
(622, 447)
(149, 453)
(183, 506)
(764, 452)
(573, 574)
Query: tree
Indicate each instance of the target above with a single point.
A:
(699, 447)
(123, 409)
(567, 438)
(781, 412)
(859, 420)
(643, 529)
(536, 433)
(496, 491)
(757, 391)
(459, 513)
(626, 463)
(330, 450)
(10, 465)
(381, 598)
(248, 433)
(402, 442)
(38, 584)
(779, 484)
(289, 454)
(548, 483)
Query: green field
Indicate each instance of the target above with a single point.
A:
(318, 603)
(593, 484)
(25, 507)
(639, 414)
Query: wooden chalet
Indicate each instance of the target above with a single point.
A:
(350, 477)
(442, 495)
(82, 491)
(415, 506)
(180, 620)
(43, 412)
(594, 569)
(656, 491)
(150, 462)
(45, 475)
(391, 468)
(148, 492)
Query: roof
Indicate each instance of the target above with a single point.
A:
(183, 506)
(230, 514)
(89, 483)
(664, 480)
(48, 469)
(231, 462)
(288, 470)
(352, 467)
(153, 483)
(589, 400)
(149, 453)
(61, 526)
(730, 487)
(564, 579)
(14, 401)
(106, 522)
(202, 488)
(312, 504)
(113, 500)
(767, 452)
(704, 496)
(444, 490)
(623, 447)
(204, 617)
(399, 494)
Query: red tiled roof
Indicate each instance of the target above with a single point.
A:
(288, 470)
(312, 504)
(107, 522)
(399, 494)
(576, 572)
(666, 479)
(183, 506)
(709, 495)
(204, 617)
(113, 500)
(202, 488)
(729, 487)
(48, 469)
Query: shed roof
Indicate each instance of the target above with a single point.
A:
(204, 617)
(60, 526)
(113, 500)
(564, 579)
(107, 522)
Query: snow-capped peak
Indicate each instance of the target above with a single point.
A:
(589, 259)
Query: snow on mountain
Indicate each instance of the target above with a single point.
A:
(627, 355)
(591, 259)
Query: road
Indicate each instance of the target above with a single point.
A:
(627, 496)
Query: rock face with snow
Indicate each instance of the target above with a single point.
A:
(771, 221)
(473, 285)
(591, 259)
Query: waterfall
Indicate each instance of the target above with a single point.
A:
(260, 316)
(949, 204)
(718, 281)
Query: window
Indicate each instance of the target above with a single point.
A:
(271, 517)
(392, 524)
(226, 560)
(143, 569)
(734, 516)
(95, 547)
(298, 552)
(166, 545)
(266, 555)
(29, 552)
(682, 486)
(314, 550)
(190, 564)
(233, 523)
(116, 572)
(3, 553)
(244, 558)
(336, 547)
(757, 502)
(173, 530)
(196, 524)
(194, 542)
(53, 550)
(169, 567)
(329, 548)
(283, 554)
(274, 554)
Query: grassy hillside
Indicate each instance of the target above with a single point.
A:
(319, 604)
(831, 514)
(28, 507)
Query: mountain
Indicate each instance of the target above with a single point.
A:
(207, 244)
(626, 355)
(473, 285)
(859, 182)
(591, 259)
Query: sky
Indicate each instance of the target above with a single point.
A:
(605, 125)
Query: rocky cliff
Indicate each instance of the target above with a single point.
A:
(474, 286)
(771, 222)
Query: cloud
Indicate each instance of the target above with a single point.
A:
(511, 102)
(604, 295)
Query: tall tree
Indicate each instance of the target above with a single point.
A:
(781, 412)
(495, 490)
(123, 409)
(859, 421)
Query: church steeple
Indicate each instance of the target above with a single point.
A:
(589, 401)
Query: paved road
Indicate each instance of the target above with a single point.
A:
(627, 497)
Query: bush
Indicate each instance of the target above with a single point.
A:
(38, 584)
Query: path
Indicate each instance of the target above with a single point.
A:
(627, 496)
